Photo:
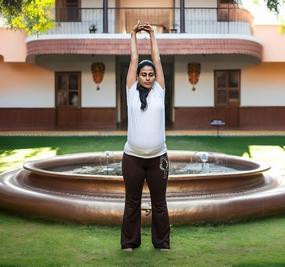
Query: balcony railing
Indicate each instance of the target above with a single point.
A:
(164, 20)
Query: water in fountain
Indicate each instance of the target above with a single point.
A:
(199, 164)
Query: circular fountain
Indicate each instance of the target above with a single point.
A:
(89, 188)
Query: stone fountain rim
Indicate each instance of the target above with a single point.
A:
(32, 167)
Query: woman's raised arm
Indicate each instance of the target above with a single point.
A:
(155, 55)
(132, 72)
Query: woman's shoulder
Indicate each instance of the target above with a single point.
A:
(158, 86)
(134, 85)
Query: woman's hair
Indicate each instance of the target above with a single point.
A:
(143, 92)
(144, 63)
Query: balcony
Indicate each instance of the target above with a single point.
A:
(230, 20)
(196, 31)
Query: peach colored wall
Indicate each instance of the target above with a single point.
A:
(273, 42)
(263, 85)
(25, 85)
(90, 97)
(203, 96)
(12, 45)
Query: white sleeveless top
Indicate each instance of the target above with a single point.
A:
(146, 129)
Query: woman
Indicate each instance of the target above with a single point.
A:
(145, 152)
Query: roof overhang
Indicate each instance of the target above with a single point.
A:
(182, 44)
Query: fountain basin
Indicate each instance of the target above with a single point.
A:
(41, 190)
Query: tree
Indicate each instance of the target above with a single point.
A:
(32, 16)
(274, 5)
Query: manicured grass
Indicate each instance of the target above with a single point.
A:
(15, 150)
(32, 242)
(64, 145)
(28, 243)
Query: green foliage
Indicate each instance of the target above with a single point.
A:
(32, 16)
(282, 29)
(282, 26)
(274, 5)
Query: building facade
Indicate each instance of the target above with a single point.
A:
(217, 65)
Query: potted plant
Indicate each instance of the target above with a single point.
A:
(174, 28)
(92, 28)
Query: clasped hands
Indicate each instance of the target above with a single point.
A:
(142, 27)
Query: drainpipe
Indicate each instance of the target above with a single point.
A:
(182, 16)
(105, 16)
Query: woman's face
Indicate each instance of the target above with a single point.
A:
(146, 77)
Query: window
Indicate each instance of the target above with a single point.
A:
(68, 89)
(227, 87)
(228, 2)
(68, 10)
(226, 10)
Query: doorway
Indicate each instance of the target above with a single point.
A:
(67, 99)
(227, 96)
(121, 75)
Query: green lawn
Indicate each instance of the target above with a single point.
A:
(26, 242)
(15, 150)
(32, 242)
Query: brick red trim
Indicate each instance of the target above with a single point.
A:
(259, 118)
(122, 47)
(50, 119)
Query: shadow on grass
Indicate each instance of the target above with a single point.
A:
(16, 265)
(267, 264)
(10, 216)
(45, 265)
